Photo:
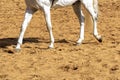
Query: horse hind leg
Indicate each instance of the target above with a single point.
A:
(80, 15)
(89, 6)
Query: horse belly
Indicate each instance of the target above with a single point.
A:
(63, 3)
(32, 3)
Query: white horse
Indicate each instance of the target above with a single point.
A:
(46, 5)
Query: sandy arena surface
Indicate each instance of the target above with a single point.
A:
(90, 61)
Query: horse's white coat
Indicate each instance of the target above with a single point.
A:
(46, 5)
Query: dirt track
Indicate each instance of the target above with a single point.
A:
(89, 61)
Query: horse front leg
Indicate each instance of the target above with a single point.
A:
(28, 15)
(49, 25)
(80, 15)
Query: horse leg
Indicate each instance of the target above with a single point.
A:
(90, 8)
(49, 25)
(80, 15)
(28, 15)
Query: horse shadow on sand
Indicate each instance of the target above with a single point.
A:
(5, 42)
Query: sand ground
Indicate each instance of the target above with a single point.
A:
(90, 61)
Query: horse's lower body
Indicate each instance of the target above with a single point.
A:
(34, 5)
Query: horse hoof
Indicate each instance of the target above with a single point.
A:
(50, 47)
(78, 43)
(100, 40)
(17, 50)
